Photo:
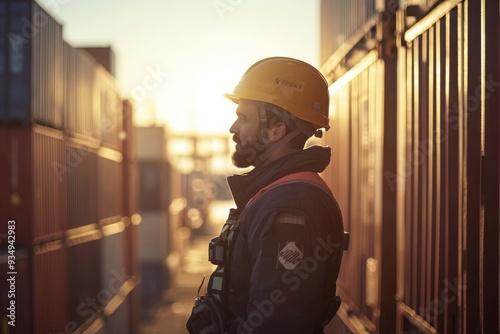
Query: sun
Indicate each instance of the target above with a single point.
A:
(214, 113)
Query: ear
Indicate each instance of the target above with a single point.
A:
(276, 131)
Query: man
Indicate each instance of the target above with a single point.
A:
(282, 246)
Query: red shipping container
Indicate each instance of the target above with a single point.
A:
(49, 195)
(16, 180)
(81, 185)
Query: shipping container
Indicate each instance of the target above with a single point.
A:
(65, 182)
(48, 167)
(153, 183)
(132, 219)
(16, 201)
(117, 281)
(415, 161)
(153, 253)
(32, 79)
(110, 109)
(113, 257)
(103, 56)
(347, 29)
(359, 112)
(87, 297)
(449, 172)
(46, 70)
(16, 78)
(129, 162)
(132, 269)
(109, 186)
(81, 177)
(81, 97)
(50, 283)
(130, 191)
(151, 143)
(153, 236)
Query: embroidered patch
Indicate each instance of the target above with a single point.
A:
(287, 218)
(290, 255)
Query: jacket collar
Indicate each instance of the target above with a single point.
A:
(245, 186)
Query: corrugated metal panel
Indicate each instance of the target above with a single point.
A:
(433, 181)
(86, 296)
(49, 193)
(16, 179)
(490, 165)
(110, 109)
(448, 177)
(50, 283)
(113, 257)
(110, 189)
(46, 69)
(30, 72)
(81, 185)
(344, 22)
(356, 141)
(81, 116)
(70, 91)
(17, 59)
(22, 294)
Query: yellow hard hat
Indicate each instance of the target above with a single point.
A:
(291, 84)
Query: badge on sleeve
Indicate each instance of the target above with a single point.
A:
(290, 255)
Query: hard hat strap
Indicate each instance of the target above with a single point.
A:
(281, 114)
(270, 151)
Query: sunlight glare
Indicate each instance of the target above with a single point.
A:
(215, 113)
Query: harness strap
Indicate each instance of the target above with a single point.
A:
(311, 177)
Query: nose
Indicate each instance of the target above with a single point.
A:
(234, 128)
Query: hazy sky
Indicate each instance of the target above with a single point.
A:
(182, 55)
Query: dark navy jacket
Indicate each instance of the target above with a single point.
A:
(286, 255)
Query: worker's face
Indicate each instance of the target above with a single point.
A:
(246, 135)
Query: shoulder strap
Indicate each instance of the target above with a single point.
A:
(310, 177)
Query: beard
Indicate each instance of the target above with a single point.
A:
(248, 153)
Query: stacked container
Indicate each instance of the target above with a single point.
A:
(153, 180)
(65, 182)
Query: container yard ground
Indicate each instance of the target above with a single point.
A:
(170, 313)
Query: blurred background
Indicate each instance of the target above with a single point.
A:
(114, 153)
